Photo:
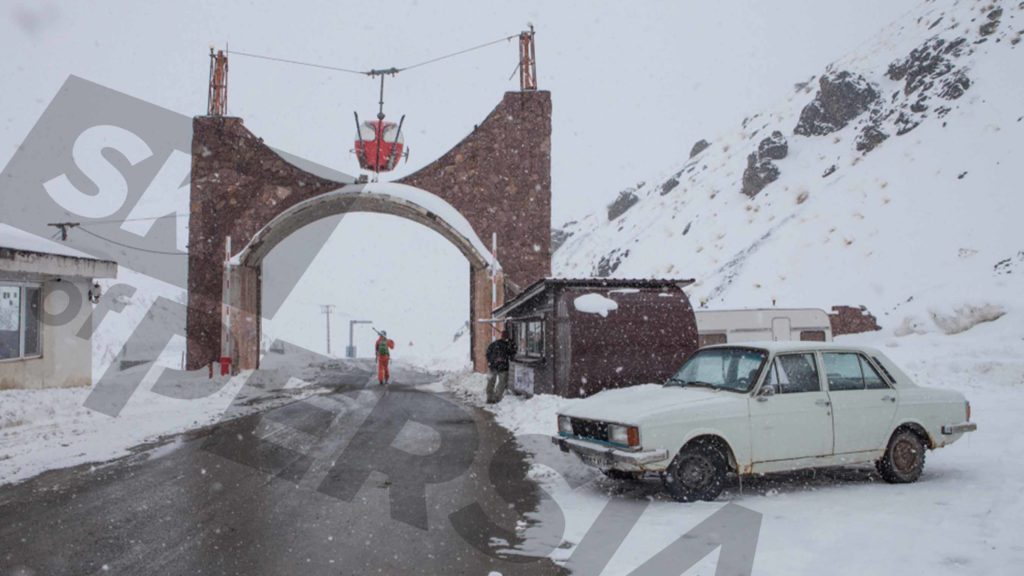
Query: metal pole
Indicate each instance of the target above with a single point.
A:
(350, 352)
(328, 309)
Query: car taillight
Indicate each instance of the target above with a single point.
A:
(968, 411)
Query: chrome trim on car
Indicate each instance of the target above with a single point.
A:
(586, 448)
(949, 429)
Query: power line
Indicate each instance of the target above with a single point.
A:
(140, 218)
(93, 234)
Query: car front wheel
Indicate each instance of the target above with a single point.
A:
(903, 461)
(697, 473)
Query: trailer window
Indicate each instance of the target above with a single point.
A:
(812, 335)
(710, 339)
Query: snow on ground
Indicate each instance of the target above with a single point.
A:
(52, 428)
(957, 519)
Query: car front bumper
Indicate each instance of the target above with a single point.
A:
(606, 458)
(950, 429)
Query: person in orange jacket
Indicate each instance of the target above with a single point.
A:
(382, 351)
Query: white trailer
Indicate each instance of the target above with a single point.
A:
(762, 324)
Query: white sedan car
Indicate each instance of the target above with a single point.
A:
(765, 407)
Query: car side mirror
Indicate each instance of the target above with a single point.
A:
(766, 392)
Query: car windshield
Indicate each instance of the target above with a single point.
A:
(733, 369)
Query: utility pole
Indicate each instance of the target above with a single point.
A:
(350, 352)
(527, 62)
(328, 309)
(217, 99)
(64, 227)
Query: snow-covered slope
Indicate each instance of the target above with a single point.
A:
(890, 180)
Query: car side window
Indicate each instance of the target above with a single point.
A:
(850, 371)
(844, 371)
(794, 373)
(872, 379)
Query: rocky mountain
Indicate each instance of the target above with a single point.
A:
(891, 179)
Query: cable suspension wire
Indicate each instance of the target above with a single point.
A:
(459, 53)
(298, 62)
(375, 71)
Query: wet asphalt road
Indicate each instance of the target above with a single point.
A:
(326, 485)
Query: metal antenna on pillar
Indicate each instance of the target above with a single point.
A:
(217, 99)
(527, 61)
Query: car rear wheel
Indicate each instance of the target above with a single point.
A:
(903, 461)
(697, 473)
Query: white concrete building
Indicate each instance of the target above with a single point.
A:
(45, 301)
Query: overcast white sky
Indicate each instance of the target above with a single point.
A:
(634, 84)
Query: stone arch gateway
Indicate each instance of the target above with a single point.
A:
(245, 198)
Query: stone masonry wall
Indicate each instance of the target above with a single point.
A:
(498, 177)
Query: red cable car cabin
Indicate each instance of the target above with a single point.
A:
(379, 145)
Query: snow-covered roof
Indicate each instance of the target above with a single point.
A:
(533, 290)
(26, 254)
(17, 239)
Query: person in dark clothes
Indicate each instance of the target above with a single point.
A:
(499, 354)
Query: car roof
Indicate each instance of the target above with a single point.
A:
(795, 346)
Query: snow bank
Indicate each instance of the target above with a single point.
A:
(595, 304)
(46, 429)
(966, 317)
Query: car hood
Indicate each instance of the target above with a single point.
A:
(634, 404)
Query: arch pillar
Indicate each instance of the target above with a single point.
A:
(240, 338)
(485, 294)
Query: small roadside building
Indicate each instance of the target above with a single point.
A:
(576, 337)
(45, 300)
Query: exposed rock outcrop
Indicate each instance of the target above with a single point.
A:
(626, 200)
(761, 171)
(988, 28)
(610, 263)
(928, 64)
(559, 236)
(842, 96)
(870, 137)
(774, 147)
(669, 185)
(698, 147)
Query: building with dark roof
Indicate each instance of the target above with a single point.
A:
(576, 337)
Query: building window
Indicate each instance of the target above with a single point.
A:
(20, 327)
(530, 338)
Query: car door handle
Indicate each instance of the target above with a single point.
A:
(888, 398)
(822, 402)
